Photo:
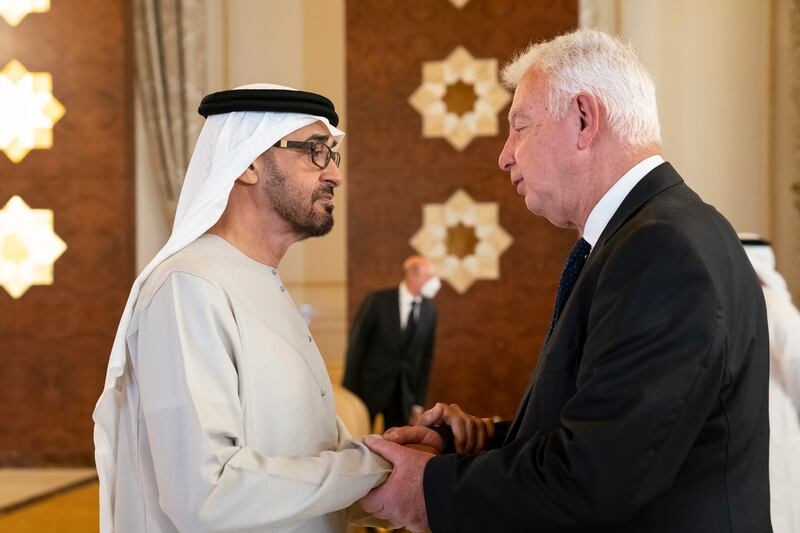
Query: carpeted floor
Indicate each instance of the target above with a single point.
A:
(75, 511)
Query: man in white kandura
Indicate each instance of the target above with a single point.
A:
(218, 413)
(784, 386)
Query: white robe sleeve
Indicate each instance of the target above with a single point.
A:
(207, 477)
(784, 338)
(356, 515)
(784, 461)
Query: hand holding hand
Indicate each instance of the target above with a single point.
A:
(417, 437)
(470, 433)
(400, 499)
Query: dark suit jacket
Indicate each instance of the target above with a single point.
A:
(647, 411)
(376, 358)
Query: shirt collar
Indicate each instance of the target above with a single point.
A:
(405, 295)
(598, 219)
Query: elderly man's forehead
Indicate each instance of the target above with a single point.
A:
(530, 91)
(418, 264)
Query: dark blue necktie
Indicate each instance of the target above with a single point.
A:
(572, 269)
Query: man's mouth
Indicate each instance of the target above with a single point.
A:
(325, 194)
(326, 200)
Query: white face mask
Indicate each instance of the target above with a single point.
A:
(431, 287)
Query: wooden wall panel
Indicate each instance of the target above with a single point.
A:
(55, 340)
(488, 338)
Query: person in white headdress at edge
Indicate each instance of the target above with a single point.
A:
(217, 412)
(784, 387)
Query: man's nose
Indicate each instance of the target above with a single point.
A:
(332, 175)
(506, 159)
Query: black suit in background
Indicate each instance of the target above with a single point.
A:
(647, 411)
(385, 368)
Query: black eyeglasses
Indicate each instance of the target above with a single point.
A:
(321, 153)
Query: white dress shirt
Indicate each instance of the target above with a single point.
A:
(598, 219)
(405, 304)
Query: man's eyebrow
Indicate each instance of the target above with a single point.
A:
(322, 138)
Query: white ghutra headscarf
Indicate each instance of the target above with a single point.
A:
(227, 145)
(762, 258)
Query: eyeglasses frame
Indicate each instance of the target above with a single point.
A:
(312, 147)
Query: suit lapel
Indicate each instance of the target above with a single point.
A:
(424, 313)
(657, 180)
(424, 316)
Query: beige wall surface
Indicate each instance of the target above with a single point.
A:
(785, 145)
(710, 64)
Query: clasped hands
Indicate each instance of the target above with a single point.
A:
(400, 499)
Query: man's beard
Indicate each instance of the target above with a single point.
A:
(290, 204)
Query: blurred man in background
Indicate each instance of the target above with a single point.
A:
(391, 345)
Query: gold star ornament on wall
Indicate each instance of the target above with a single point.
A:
(28, 247)
(459, 98)
(16, 10)
(28, 110)
(463, 239)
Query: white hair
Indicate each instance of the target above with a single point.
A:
(594, 62)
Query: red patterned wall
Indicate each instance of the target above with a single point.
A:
(55, 340)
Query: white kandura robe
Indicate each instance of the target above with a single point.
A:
(784, 401)
(784, 343)
(228, 420)
(784, 461)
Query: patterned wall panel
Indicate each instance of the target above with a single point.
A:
(489, 336)
(55, 340)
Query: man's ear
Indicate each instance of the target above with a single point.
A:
(589, 117)
(250, 175)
